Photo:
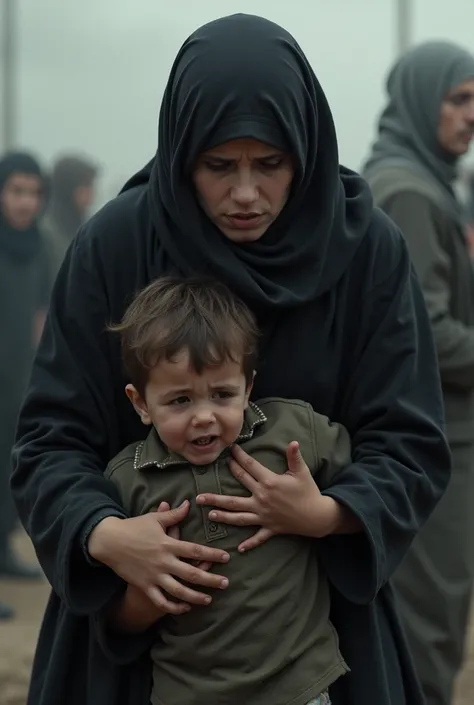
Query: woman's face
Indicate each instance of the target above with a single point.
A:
(242, 186)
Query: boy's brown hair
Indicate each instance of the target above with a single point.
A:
(195, 314)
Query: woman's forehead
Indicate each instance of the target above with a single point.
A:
(246, 146)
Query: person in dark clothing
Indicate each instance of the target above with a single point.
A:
(71, 196)
(23, 295)
(424, 130)
(245, 187)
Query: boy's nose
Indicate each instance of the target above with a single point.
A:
(203, 417)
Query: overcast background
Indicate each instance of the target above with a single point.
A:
(91, 72)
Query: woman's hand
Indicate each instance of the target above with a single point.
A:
(140, 551)
(134, 612)
(280, 504)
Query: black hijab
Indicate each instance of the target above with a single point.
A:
(243, 76)
(18, 245)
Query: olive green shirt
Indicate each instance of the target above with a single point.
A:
(267, 639)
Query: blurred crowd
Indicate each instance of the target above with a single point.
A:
(40, 213)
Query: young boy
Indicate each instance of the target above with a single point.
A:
(190, 352)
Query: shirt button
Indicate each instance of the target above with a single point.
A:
(213, 527)
(201, 469)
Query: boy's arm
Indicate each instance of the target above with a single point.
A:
(333, 450)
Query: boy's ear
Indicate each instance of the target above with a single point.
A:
(248, 391)
(139, 404)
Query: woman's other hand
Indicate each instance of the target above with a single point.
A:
(280, 504)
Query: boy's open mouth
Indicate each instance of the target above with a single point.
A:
(204, 441)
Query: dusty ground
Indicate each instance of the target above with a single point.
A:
(17, 639)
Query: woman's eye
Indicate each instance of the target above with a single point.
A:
(217, 166)
(273, 164)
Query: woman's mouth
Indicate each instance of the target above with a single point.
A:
(245, 221)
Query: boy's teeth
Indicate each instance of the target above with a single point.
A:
(203, 441)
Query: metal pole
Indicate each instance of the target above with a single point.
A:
(8, 75)
(404, 25)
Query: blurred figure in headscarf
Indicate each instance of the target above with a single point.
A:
(72, 192)
(425, 129)
(24, 291)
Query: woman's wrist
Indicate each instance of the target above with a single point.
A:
(98, 543)
(339, 519)
(133, 612)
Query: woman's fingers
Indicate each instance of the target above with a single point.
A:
(248, 470)
(204, 565)
(157, 597)
(235, 518)
(183, 593)
(197, 576)
(193, 551)
(173, 516)
(257, 539)
(229, 502)
(164, 507)
(173, 531)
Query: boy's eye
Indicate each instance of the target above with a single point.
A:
(223, 394)
(180, 400)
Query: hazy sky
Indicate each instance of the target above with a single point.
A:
(91, 73)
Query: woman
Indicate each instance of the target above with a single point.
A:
(246, 187)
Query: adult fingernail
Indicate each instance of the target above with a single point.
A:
(226, 557)
(208, 600)
(224, 583)
(212, 515)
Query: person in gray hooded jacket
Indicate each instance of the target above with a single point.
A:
(425, 128)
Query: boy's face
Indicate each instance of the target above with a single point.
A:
(195, 415)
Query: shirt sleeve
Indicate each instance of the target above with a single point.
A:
(67, 432)
(415, 216)
(393, 410)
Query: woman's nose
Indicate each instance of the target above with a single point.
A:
(245, 190)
